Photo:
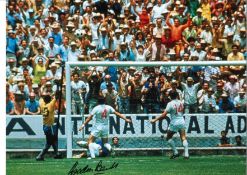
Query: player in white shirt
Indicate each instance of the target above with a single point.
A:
(100, 128)
(175, 109)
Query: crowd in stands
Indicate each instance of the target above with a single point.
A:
(42, 34)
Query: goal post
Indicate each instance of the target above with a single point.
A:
(70, 65)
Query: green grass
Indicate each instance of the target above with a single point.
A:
(203, 165)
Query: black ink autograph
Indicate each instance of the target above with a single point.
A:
(99, 169)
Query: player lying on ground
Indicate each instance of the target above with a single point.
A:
(98, 147)
(101, 124)
(175, 109)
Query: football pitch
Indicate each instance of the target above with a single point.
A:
(131, 165)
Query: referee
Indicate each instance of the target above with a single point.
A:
(47, 106)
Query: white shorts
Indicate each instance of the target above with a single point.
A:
(100, 131)
(176, 125)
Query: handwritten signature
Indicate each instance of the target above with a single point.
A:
(99, 169)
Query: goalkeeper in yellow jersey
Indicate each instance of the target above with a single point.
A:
(47, 106)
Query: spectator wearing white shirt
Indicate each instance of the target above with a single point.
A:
(73, 53)
(158, 30)
(232, 87)
(116, 40)
(159, 8)
(240, 101)
(199, 52)
(209, 102)
(53, 72)
(86, 4)
(201, 93)
(207, 35)
(52, 50)
(24, 65)
(190, 99)
(230, 27)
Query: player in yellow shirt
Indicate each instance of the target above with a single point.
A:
(47, 106)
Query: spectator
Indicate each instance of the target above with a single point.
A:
(56, 35)
(207, 34)
(10, 65)
(106, 81)
(144, 17)
(225, 104)
(159, 8)
(190, 100)
(24, 50)
(157, 49)
(232, 87)
(73, 52)
(177, 29)
(24, 65)
(9, 105)
(36, 91)
(238, 140)
(19, 103)
(227, 45)
(103, 39)
(224, 140)
(198, 18)
(235, 55)
(52, 72)
(240, 102)
(208, 102)
(115, 142)
(166, 38)
(110, 95)
(201, 93)
(64, 49)
(40, 67)
(32, 105)
(199, 52)
(52, 50)
(123, 101)
(47, 88)
(193, 5)
(94, 81)
(158, 29)
(151, 97)
(135, 95)
(101, 7)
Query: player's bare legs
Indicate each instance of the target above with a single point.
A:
(172, 144)
(91, 140)
(185, 143)
(106, 144)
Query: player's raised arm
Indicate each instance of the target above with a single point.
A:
(86, 122)
(122, 117)
(163, 115)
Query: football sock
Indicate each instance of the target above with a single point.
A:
(108, 146)
(172, 145)
(186, 149)
(91, 149)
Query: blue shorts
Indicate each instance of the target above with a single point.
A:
(50, 130)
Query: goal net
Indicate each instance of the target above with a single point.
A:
(140, 90)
